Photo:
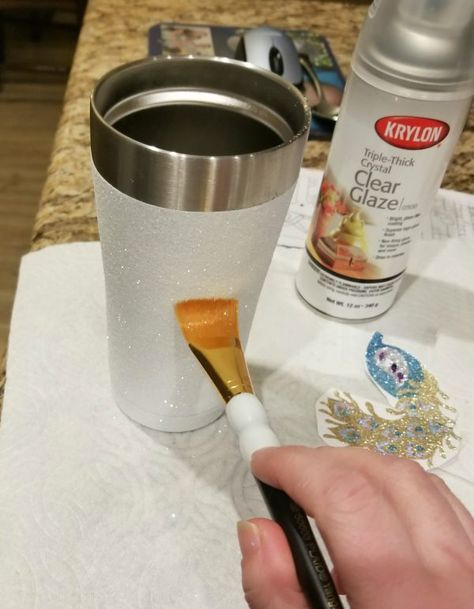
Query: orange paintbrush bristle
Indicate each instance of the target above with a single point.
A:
(208, 322)
(210, 326)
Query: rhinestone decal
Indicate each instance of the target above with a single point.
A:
(416, 422)
(389, 367)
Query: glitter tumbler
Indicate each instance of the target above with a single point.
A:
(194, 164)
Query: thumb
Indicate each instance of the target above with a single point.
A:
(268, 574)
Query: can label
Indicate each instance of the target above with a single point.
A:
(385, 165)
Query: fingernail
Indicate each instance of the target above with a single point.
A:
(259, 454)
(262, 451)
(249, 537)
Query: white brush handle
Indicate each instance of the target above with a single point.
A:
(249, 420)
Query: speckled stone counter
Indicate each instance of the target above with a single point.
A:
(115, 32)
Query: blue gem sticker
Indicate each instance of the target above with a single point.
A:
(390, 367)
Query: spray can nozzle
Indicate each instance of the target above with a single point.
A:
(418, 45)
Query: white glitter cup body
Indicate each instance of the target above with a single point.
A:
(194, 164)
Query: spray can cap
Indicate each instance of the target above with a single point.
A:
(424, 46)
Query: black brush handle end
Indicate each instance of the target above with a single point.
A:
(313, 573)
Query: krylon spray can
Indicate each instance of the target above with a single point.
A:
(404, 108)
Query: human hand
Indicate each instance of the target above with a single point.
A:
(397, 535)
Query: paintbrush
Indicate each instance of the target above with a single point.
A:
(210, 326)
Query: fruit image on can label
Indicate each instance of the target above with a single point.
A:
(338, 237)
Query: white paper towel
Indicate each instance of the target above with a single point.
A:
(97, 512)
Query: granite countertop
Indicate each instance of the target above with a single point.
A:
(115, 32)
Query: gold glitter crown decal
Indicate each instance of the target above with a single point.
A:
(416, 422)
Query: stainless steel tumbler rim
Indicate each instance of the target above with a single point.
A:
(189, 181)
(196, 97)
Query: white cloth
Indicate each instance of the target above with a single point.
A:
(97, 512)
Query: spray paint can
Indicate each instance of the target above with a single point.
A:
(404, 108)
